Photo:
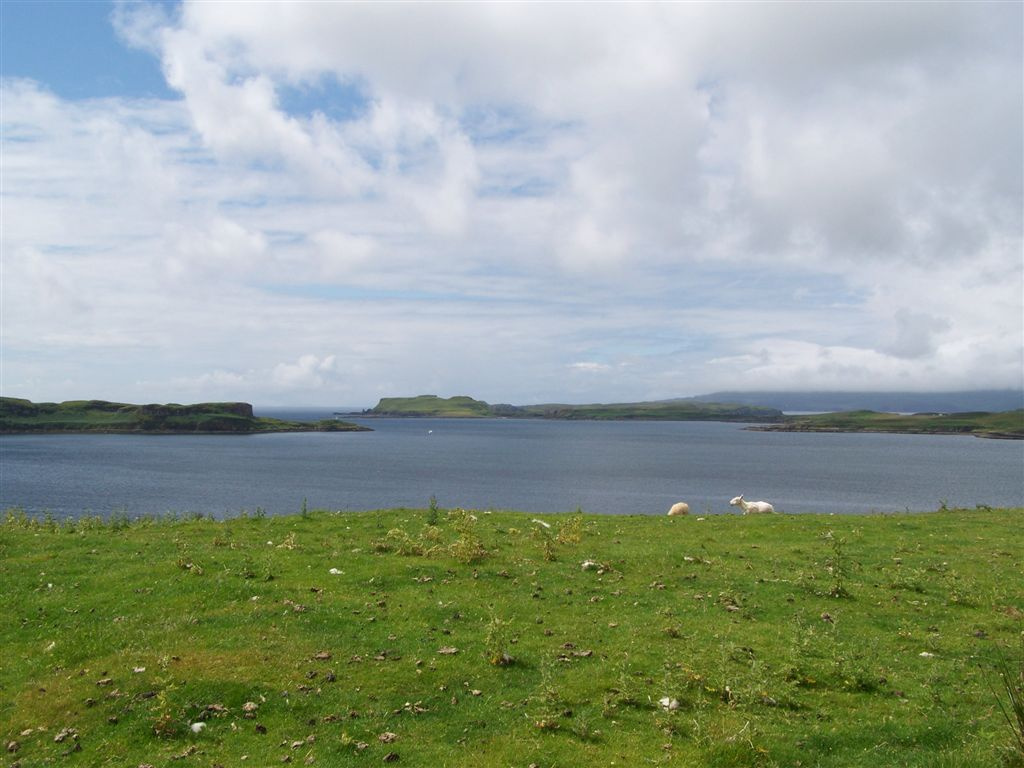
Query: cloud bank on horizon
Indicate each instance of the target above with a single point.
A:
(333, 202)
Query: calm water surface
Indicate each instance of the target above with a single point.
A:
(537, 466)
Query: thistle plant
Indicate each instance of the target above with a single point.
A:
(836, 565)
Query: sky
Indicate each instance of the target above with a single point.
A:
(303, 203)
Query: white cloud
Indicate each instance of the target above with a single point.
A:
(307, 373)
(489, 196)
(590, 367)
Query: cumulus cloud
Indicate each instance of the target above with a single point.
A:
(486, 197)
(307, 373)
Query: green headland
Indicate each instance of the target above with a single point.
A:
(21, 416)
(1004, 424)
(440, 637)
(667, 410)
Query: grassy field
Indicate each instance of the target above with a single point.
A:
(449, 638)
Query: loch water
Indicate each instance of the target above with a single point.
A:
(535, 466)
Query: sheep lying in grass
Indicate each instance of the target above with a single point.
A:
(752, 506)
(679, 508)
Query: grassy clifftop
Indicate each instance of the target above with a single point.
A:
(21, 416)
(460, 406)
(668, 410)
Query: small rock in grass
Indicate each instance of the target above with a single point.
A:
(668, 704)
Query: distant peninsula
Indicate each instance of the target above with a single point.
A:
(19, 416)
(1003, 424)
(464, 407)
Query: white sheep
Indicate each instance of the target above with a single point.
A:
(752, 506)
(679, 508)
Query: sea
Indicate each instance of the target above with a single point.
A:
(614, 467)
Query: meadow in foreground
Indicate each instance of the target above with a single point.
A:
(447, 638)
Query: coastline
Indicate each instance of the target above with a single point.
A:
(878, 431)
(227, 433)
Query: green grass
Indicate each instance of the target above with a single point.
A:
(803, 640)
(983, 424)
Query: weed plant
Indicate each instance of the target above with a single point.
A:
(1009, 695)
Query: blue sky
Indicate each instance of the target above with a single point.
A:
(296, 203)
(72, 47)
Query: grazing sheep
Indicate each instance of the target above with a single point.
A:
(752, 506)
(679, 508)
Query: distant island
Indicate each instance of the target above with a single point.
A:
(821, 401)
(19, 416)
(464, 407)
(1004, 424)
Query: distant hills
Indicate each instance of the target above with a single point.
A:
(892, 402)
(667, 410)
(24, 416)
